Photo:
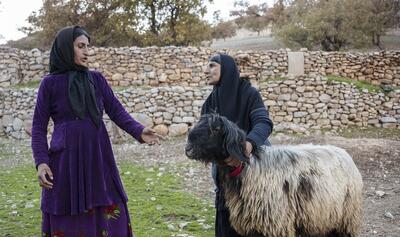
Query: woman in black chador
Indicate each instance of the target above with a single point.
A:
(242, 104)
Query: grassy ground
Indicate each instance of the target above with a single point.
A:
(30, 84)
(358, 84)
(370, 132)
(157, 206)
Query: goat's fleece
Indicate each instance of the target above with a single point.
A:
(307, 190)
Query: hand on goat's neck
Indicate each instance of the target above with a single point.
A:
(233, 162)
(249, 148)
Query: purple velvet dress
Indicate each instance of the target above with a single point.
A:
(85, 175)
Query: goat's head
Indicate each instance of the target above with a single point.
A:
(214, 138)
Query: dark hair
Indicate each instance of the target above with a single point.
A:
(78, 31)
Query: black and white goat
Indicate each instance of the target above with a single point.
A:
(282, 191)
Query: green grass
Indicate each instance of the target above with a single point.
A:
(369, 132)
(157, 201)
(277, 78)
(358, 84)
(30, 84)
(157, 204)
(122, 88)
(19, 202)
(272, 79)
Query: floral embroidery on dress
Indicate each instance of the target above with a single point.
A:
(104, 233)
(112, 211)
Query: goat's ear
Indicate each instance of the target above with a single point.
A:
(234, 141)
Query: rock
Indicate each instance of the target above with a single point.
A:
(197, 103)
(148, 68)
(161, 129)
(143, 119)
(284, 127)
(183, 225)
(36, 67)
(178, 129)
(167, 115)
(300, 114)
(188, 119)
(178, 89)
(17, 124)
(380, 193)
(139, 106)
(389, 215)
(300, 89)
(171, 227)
(117, 77)
(388, 105)
(177, 120)
(6, 120)
(325, 98)
(284, 97)
(388, 120)
(130, 75)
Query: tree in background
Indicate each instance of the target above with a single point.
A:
(240, 12)
(257, 18)
(331, 24)
(224, 29)
(166, 22)
(122, 22)
(382, 15)
(252, 17)
(104, 19)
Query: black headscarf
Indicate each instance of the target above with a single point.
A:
(81, 92)
(232, 97)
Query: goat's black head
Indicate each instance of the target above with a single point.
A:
(214, 138)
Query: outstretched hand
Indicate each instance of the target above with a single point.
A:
(149, 136)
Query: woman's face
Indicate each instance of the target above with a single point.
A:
(81, 54)
(213, 72)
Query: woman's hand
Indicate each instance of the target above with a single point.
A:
(249, 148)
(149, 136)
(230, 161)
(45, 175)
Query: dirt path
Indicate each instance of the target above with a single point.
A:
(378, 160)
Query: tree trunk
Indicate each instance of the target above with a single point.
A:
(153, 27)
(377, 41)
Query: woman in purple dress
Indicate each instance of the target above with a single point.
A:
(82, 192)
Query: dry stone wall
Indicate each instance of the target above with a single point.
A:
(167, 66)
(298, 104)
(375, 67)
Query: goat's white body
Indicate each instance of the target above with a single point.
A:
(312, 187)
